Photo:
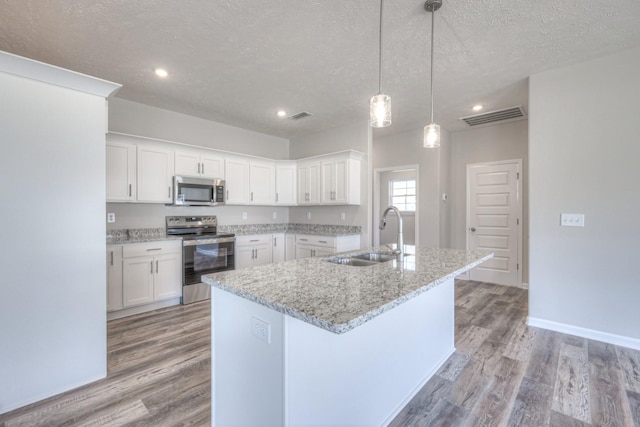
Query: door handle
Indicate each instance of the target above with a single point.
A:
(472, 229)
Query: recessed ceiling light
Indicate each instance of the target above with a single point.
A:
(477, 107)
(282, 113)
(160, 72)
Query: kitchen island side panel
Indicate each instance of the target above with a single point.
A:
(309, 376)
(367, 375)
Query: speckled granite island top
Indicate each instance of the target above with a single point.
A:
(337, 297)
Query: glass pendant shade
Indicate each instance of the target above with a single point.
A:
(380, 111)
(431, 136)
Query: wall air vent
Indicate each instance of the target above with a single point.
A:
(507, 114)
(299, 116)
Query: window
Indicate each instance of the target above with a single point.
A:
(402, 194)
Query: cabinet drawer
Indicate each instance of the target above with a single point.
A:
(312, 239)
(253, 239)
(151, 248)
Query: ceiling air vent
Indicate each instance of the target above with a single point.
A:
(299, 116)
(510, 114)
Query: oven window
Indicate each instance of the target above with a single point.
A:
(195, 193)
(206, 259)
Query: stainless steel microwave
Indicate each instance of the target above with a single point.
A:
(197, 191)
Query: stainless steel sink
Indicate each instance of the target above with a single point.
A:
(376, 256)
(362, 260)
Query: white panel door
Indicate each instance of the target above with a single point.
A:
(137, 281)
(237, 181)
(155, 170)
(121, 172)
(187, 163)
(212, 166)
(494, 214)
(286, 190)
(167, 276)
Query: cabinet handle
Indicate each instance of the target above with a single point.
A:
(203, 168)
(322, 241)
(313, 252)
(275, 243)
(111, 257)
(254, 240)
(252, 196)
(303, 240)
(276, 197)
(169, 191)
(154, 249)
(151, 267)
(129, 190)
(156, 266)
(198, 167)
(227, 195)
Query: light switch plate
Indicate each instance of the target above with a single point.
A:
(244, 215)
(275, 215)
(111, 217)
(572, 220)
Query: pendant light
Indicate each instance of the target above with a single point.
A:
(380, 104)
(432, 130)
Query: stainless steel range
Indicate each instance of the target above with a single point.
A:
(204, 251)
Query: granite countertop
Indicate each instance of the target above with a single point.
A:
(319, 229)
(138, 235)
(339, 298)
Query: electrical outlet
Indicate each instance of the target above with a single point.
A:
(343, 216)
(308, 215)
(572, 220)
(111, 217)
(275, 215)
(244, 215)
(261, 329)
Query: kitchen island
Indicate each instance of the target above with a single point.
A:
(310, 342)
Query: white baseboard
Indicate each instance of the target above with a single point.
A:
(591, 334)
(142, 308)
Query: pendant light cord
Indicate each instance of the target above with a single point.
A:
(380, 51)
(433, 20)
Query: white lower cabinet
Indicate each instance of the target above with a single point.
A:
(253, 250)
(279, 247)
(310, 245)
(151, 272)
(114, 277)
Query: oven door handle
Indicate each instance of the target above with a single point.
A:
(196, 242)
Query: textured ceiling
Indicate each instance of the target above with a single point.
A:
(238, 61)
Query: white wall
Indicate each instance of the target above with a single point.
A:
(486, 144)
(351, 137)
(583, 158)
(52, 181)
(139, 119)
(406, 149)
(151, 122)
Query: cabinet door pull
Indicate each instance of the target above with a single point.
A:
(111, 257)
(154, 249)
(156, 266)
(276, 197)
(202, 168)
(254, 240)
(151, 267)
(322, 241)
(169, 191)
(129, 190)
(227, 195)
(313, 252)
(303, 240)
(275, 244)
(252, 196)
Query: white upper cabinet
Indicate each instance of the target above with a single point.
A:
(286, 183)
(330, 180)
(121, 171)
(262, 182)
(155, 172)
(197, 164)
(309, 183)
(237, 181)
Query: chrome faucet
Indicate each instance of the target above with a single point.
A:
(383, 224)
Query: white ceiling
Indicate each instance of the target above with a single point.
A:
(238, 61)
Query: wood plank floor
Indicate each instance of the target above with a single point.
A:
(503, 373)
